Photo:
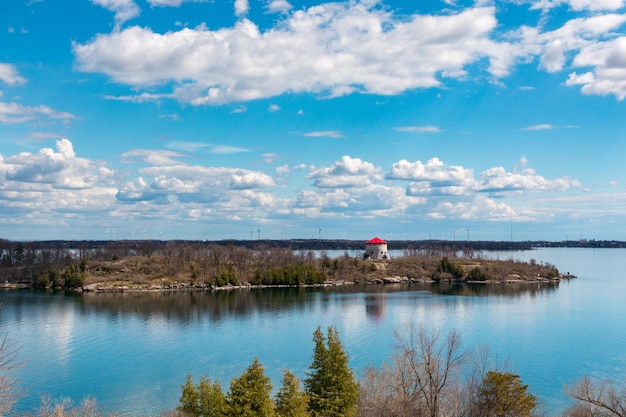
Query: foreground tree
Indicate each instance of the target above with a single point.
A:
(250, 394)
(502, 394)
(330, 383)
(602, 399)
(291, 401)
(203, 400)
(9, 392)
(422, 378)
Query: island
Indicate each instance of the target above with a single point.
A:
(153, 265)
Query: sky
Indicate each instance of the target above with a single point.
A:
(295, 119)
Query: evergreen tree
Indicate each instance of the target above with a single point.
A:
(250, 394)
(203, 400)
(291, 401)
(503, 395)
(189, 402)
(330, 384)
(212, 401)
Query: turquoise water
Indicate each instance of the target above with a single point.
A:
(132, 351)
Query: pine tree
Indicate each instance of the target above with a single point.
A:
(330, 384)
(291, 401)
(503, 395)
(250, 394)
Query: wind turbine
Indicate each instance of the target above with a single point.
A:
(144, 233)
(320, 233)
(133, 233)
(258, 232)
(468, 230)
(106, 232)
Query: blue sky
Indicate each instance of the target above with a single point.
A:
(182, 119)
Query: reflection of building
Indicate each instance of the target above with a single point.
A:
(375, 306)
(376, 249)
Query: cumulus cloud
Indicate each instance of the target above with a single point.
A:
(61, 169)
(332, 49)
(345, 173)
(498, 181)
(10, 76)
(609, 77)
(279, 6)
(434, 171)
(190, 183)
(241, 7)
(52, 186)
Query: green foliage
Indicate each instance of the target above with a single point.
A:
(226, 275)
(50, 279)
(189, 401)
(446, 266)
(212, 400)
(330, 384)
(477, 274)
(203, 400)
(291, 401)
(250, 394)
(73, 277)
(503, 395)
(289, 275)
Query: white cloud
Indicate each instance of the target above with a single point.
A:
(241, 7)
(347, 172)
(577, 5)
(324, 133)
(172, 3)
(192, 184)
(279, 6)
(418, 129)
(330, 50)
(609, 75)
(124, 9)
(48, 170)
(433, 171)
(226, 149)
(17, 113)
(10, 76)
(273, 108)
(152, 157)
(540, 127)
(498, 181)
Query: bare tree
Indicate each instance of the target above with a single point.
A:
(422, 378)
(9, 392)
(602, 399)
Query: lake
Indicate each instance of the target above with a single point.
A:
(132, 351)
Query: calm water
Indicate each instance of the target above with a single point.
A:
(133, 351)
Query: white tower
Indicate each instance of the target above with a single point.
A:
(376, 249)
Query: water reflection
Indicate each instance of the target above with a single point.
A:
(191, 306)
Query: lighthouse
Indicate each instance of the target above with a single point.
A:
(376, 249)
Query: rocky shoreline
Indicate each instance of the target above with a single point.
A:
(176, 286)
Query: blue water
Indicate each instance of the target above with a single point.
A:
(132, 351)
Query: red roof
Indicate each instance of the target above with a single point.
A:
(376, 241)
